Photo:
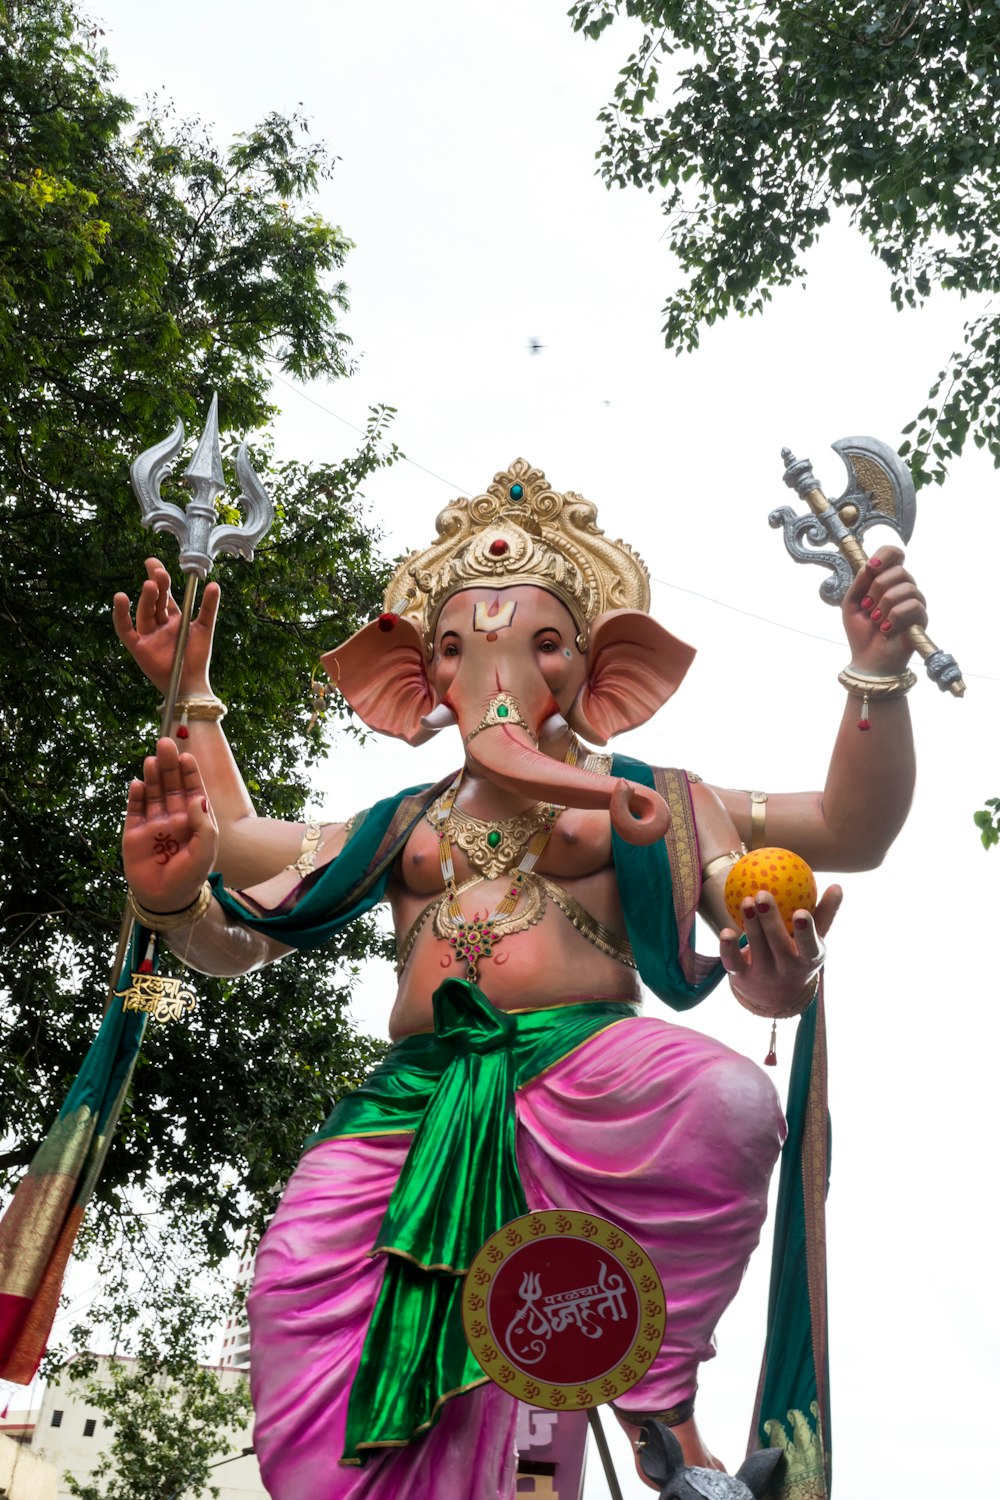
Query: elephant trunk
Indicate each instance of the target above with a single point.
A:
(507, 756)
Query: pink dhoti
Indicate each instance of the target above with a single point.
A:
(653, 1126)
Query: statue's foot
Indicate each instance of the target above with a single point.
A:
(696, 1454)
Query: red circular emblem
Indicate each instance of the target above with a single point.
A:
(563, 1309)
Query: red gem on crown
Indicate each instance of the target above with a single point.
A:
(499, 547)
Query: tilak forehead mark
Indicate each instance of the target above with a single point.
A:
(493, 615)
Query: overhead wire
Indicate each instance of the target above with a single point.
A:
(677, 587)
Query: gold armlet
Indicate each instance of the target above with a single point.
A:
(166, 921)
(864, 685)
(198, 706)
(502, 709)
(722, 863)
(758, 805)
(306, 861)
(802, 1003)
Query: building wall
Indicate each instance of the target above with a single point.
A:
(234, 1353)
(23, 1475)
(73, 1435)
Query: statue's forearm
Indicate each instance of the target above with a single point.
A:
(215, 945)
(869, 786)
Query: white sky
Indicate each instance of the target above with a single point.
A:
(467, 135)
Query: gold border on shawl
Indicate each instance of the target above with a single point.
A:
(685, 858)
(460, 1390)
(815, 1170)
(404, 819)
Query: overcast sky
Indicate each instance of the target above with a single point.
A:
(466, 134)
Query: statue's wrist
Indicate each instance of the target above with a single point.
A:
(157, 920)
(779, 1011)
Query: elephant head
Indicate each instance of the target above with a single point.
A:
(506, 665)
(663, 1463)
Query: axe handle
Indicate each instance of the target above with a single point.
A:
(856, 555)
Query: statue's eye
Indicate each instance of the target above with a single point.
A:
(451, 649)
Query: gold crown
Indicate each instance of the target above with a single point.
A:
(520, 532)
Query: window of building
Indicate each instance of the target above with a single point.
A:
(90, 1427)
(57, 1419)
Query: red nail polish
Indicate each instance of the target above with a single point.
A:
(749, 914)
(801, 922)
(867, 602)
(204, 804)
(876, 616)
(885, 627)
(874, 562)
(763, 907)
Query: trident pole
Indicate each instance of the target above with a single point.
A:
(201, 540)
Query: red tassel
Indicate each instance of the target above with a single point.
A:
(146, 967)
(863, 721)
(771, 1060)
(182, 728)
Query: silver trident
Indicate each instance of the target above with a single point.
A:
(879, 493)
(201, 539)
(197, 528)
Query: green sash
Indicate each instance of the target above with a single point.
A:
(454, 1090)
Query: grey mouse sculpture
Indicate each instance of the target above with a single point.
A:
(663, 1462)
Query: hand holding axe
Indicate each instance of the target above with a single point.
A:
(879, 493)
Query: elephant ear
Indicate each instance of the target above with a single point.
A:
(659, 1453)
(381, 673)
(759, 1470)
(635, 666)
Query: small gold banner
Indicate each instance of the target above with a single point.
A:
(162, 998)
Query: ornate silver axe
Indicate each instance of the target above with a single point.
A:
(201, 539)
(879, 493)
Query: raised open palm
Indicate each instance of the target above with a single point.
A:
(152, 640)
(171, 840)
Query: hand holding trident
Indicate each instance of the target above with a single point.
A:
(880, 492)
(201, 539)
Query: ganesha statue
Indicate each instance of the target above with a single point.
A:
(540, 894)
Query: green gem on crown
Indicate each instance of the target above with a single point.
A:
(493, 838)
(502, 710)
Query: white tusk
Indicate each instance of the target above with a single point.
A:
(553, 726)
(441, 717)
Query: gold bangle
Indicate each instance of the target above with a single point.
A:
(864, 685)
(802, 1003)
(198, 706)
(503, 709)
(166, 921)
(722, 862)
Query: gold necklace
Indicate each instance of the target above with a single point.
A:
(494, 846)
(473, 940)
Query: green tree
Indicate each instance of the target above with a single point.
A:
(172, 1419)
(780, 113)
(141, 268)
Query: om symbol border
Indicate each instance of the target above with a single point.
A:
(555, 1224)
